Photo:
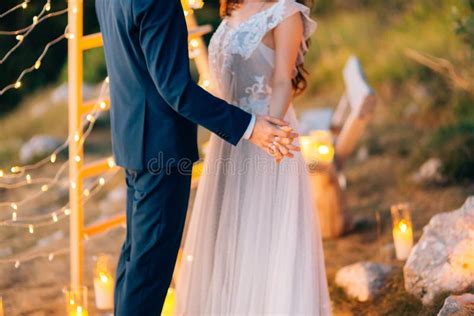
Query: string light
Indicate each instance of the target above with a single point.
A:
(39, 18)
(22, 5)
(44, 188)
(42, 220)
(23, 33)
(23, 259)
(52, 158)
(35, 66)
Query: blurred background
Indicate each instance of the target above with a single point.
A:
(417, 55)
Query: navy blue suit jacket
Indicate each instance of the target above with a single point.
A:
(155, 105)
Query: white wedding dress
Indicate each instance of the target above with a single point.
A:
(253, 246)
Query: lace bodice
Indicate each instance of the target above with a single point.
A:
(241, 64)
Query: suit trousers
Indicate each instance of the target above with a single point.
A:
(156, 211)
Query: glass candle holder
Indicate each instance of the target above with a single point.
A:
(104, 283)
(76, 301)
(318, 147)
(2, 313)
(402, 230)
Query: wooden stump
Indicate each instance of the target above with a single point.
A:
(330, 202)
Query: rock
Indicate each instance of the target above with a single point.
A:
(318, 119)
(7, 251)
(458, 305)
(46, 241)
(430, 172)
(362, 280)
(114, 201)
(38, 147)
(443, 258)
(59, 95)
(362, 154)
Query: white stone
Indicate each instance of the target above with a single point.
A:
(458, 305)
(46, 241)
(38, 147)
(430, 171)
(443, 258)
(114, 201)
(362, 280)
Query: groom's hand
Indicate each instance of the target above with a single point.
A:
(274, 136)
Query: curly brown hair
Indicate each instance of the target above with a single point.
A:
(299, 81)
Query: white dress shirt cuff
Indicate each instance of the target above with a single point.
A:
(249, 130)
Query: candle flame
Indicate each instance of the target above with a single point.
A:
(403, 226)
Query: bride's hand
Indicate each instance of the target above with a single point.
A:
(274, 136)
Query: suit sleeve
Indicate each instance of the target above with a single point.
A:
(163, 39)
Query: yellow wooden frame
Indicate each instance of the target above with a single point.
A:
(78, 109)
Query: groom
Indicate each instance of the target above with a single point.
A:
(155, 109)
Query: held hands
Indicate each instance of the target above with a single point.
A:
(274, 136)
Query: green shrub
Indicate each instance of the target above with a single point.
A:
(454, 145)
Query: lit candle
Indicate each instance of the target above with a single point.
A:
(1, 307)
(76, 301)
(103, 284)
(402, 231)
(170, 303)
(79, 311)
(318, 147)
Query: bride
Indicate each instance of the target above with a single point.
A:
(253, 245)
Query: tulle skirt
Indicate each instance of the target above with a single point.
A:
(253, 244)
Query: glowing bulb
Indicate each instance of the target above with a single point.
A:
(28, 179)
(47, 7)
(79, 311)
(53, 158)
(102, 105)
(19, 37)
(87, 192)
(77, 137)
(194, 43)
(67, 212)
(55, 217)
(189, 258)
(14, 206)
(18, 85)
(17, 264)
(74, 10)
(35, 20)
(107, 80)
(77, 158)
(51, 256)
(205, 84)
(15, 169)
(323, 149)
(403, 227)
(90, 118)
(37, 64)
(101, 181)
(14, 217)
(1, 173)
(44, 188)
(31, 229)
(73, 185)
(104, 278)
(24, 5)
(70, 36)
(111, 163)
